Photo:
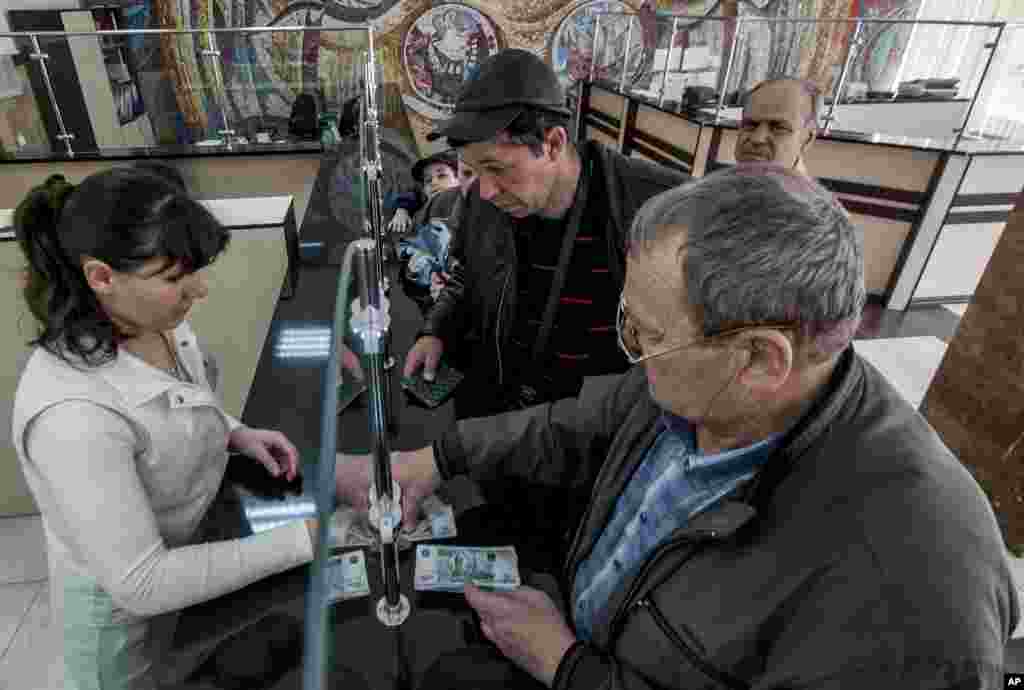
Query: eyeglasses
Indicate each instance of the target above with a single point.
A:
(629, 339)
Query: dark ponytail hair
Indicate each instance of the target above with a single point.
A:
(124, 217)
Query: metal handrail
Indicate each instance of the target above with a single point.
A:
(809, 20)
(181, 32)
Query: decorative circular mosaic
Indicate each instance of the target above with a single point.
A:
(443, 48)
(573, 46)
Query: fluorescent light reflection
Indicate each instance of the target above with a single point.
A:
(264, 517)
(303, 343)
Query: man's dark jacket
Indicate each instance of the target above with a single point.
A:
(863, 555)
(475, 313)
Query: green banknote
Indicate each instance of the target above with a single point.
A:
(449, 568)
(346, 576)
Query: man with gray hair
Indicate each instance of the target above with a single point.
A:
(780, 122)
(765, 510)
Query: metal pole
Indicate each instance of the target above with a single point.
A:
(992, 48)
(683, 77)
(668, 59)
(385, 498)
(218, 87)
(851, 50)
(42, 57)
(247, 45)
(728, 67)
(593, 48)
(625, 60)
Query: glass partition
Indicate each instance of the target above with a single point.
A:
(892, 77)
(913, 79)
(678, 53)
(769, 49)
(617, 46)
(998, 114)
(169, 88)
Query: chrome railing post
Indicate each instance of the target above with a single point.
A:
(625, 58)
(593, 48)
(668, 60)
(42, 57)
(219, 88)
(851, 51)
(736, 38)
(992, 48)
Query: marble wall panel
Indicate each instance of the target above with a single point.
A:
(976, 400)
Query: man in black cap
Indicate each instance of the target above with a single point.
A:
(537, 267)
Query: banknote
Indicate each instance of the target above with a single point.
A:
(441, 568)
(351, 529)
(438, 521)
(346, 576)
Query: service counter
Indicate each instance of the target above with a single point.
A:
(931, 209)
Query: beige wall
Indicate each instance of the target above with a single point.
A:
(14, 494)
(208, 177)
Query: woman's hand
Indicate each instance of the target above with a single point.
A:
(400, 222)
(270, 448)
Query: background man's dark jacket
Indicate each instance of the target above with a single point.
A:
(474, 314)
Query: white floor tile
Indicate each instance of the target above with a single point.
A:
(34, 659)
(15, 601)
(24, 547)
(908, 363)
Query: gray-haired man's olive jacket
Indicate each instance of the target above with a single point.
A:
(863, 555)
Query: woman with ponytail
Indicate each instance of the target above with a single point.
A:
(118, 430)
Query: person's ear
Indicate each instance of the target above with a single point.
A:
(769, 359)
(556, 140)
(99, 275)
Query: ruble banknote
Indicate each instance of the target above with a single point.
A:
(349, 528)
(442, 568)
(346, 576)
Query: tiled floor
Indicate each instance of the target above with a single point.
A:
(29, 652)
(908, 363)
(33, 657)
(907, 348)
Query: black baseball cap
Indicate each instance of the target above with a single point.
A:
(502, 88)
(449, 157)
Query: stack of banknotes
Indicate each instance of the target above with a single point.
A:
(351, 529)
(346, 577)
(442, 568)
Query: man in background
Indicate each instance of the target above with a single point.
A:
(780, 123)
(538, 261)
